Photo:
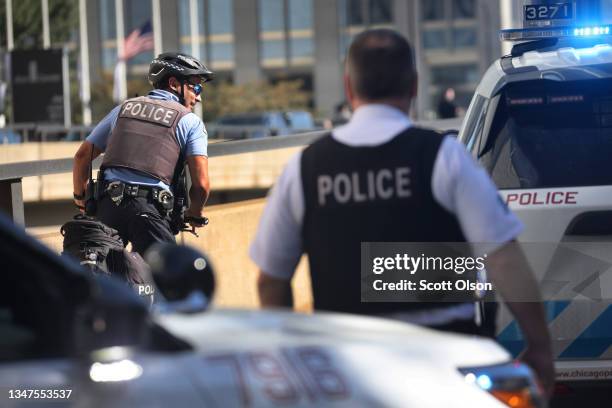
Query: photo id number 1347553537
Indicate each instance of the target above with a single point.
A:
(38, 394)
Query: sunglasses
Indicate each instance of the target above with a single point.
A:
(196, 88)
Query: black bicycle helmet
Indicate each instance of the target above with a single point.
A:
(179, 65)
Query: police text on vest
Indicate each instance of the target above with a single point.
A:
(358, 187)
(149, 112)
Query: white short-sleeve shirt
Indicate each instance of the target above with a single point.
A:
(459, 185)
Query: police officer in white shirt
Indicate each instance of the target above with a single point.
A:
(381, 179)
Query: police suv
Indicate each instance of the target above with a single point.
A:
(540, 123)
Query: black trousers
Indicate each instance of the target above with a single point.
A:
(138, 221)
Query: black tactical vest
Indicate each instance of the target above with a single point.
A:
(144, 138)
(368, 194)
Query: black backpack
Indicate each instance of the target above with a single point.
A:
(100, 249)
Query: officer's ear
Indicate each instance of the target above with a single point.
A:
(348, 89)
(415, 86)
(174, 84)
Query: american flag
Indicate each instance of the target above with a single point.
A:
(139, 40)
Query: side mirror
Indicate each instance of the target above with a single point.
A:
(113, 316)
(183, 275)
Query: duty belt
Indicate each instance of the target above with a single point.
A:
(117, 190)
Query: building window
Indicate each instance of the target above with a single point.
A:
(437, 10)
(358, 15)
(301, 34)
(108, 33)
(450, 42)
(286, 33)
(463, 78)
(464, 37)
(272, 33)
(433, 10)
(449, 24)
(453, 75)
(220, 35)
(215, 39)
(185, 29)
(355, 12)
(464, 9)
(380, 11)
(435, 39)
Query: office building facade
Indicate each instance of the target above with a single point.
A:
(250, 40)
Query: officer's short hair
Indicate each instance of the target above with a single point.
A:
(380, 65)
(163, 84)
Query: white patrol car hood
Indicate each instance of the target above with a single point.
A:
(221, 329)
(276, 359)
(329, 360)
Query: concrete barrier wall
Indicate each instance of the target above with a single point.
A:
(226, 240)
(241, 171)
(51, 187)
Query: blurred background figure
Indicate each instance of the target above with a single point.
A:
(446, 107)
(342, 113)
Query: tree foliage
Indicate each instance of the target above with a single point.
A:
(218, 99)
(102, 93)
(27, 22)
(224, 98)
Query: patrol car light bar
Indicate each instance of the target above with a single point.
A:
(526, 34)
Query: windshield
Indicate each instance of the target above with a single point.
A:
(551, 134)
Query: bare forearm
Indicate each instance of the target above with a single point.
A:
(274, 292)
(198, 195)
(80, 170)
(80, 175)
(510, 272)
(532, 320)
(200, 187)
(516, 284)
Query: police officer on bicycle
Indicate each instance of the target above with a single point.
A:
(146, 141)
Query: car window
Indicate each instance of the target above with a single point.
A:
(277, 121)
(475, 121)
(551, 134)
(300, 120)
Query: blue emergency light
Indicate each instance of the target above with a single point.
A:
(526, 34)
(591, 31)
(547, 20)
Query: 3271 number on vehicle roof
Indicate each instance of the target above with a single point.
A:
(558, 11)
